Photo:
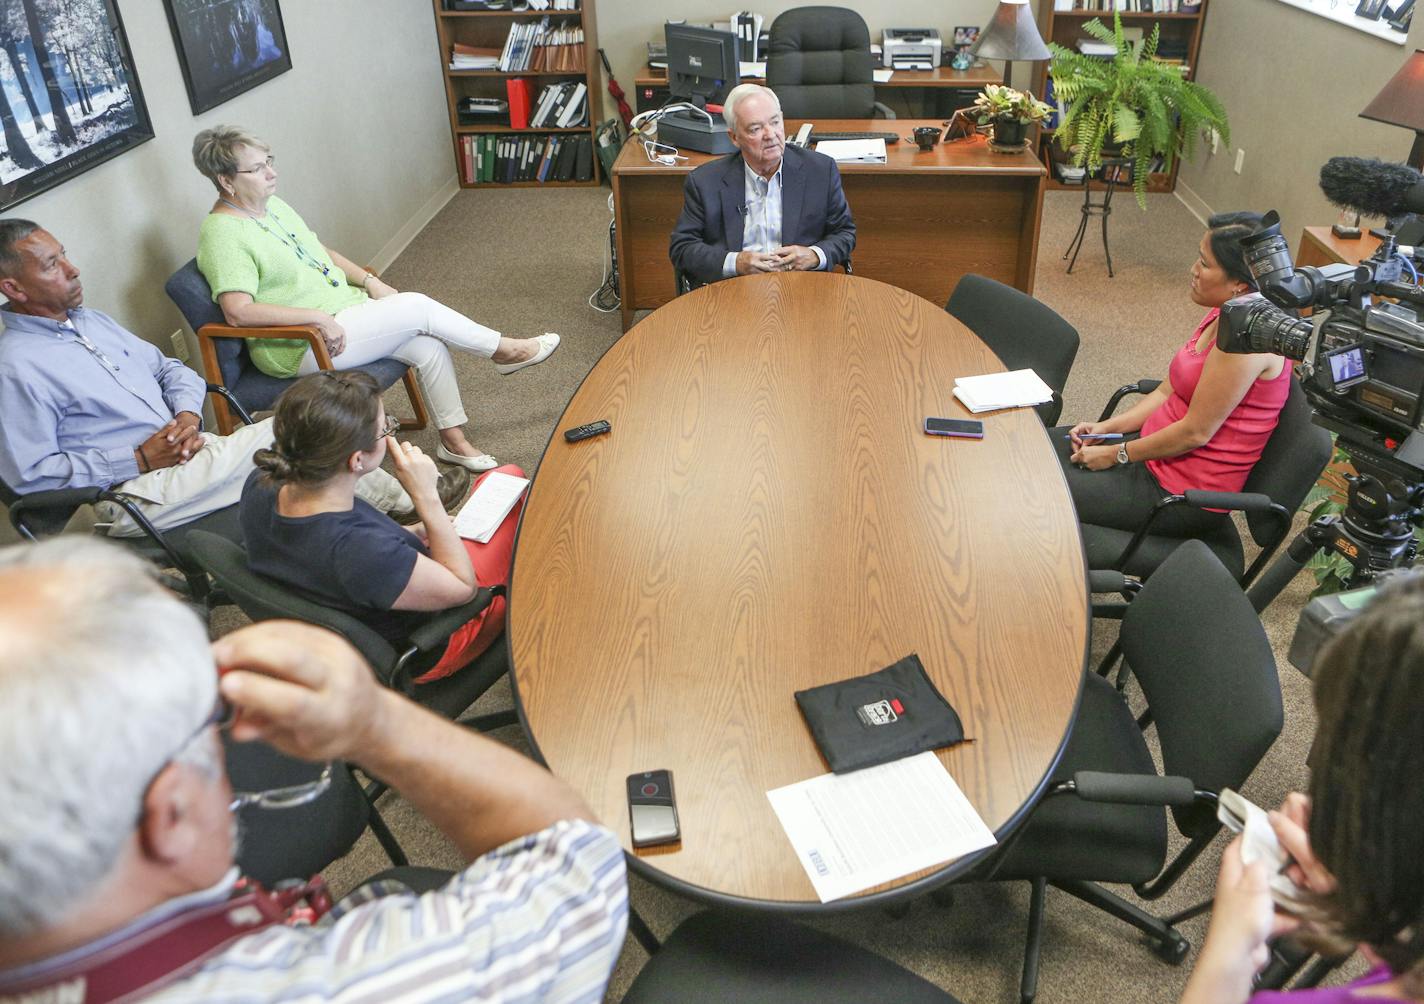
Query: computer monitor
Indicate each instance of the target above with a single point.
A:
(702, 64)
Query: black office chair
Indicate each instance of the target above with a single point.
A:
(1292, 460)
(1205, 667)
(36, 515)
(299, 842)
(754, 959)
(226, 359)
(260, 598)
(1021, 331)
(819, 64)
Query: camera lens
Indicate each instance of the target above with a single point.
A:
(1268, 253)
(1270, 329)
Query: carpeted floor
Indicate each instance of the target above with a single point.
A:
(526, 261)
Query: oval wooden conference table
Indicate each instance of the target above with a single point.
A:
(768, 515)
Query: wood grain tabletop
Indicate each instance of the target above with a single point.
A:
(767, 515)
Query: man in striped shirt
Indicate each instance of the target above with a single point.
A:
(117, 823)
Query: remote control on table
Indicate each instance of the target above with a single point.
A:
(587, 431)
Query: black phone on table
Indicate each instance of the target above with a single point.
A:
(652, 809)
(957, 428)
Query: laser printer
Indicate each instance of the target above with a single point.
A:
(911, 48)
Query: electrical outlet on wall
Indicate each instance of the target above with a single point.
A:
(1215, 141)
(180, 345)
(1240, 160)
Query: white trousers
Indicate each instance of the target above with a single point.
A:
(212, 479)
(415, 329)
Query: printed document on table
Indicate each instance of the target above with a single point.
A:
(852, 151)
(882, 76)
(854, 831)
(486, 508)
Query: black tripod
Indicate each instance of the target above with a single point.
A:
(1375, 533)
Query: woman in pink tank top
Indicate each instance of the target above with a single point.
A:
(1355, 839)
(1203, 428)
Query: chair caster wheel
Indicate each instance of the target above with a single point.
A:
(1173, 952)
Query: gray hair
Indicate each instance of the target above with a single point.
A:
(739, 94)
(103, 676)
(215, 150)
(12, 231)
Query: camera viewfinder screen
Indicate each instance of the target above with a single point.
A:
(1347, 367)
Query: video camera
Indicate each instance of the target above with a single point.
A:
(1360, 359)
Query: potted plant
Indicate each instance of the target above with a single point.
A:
(1010, 112)
(1132, 100)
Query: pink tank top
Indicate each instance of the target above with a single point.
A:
(1221, 464)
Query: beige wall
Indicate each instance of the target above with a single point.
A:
(626, 26)
(1293, 84)
(358, 125)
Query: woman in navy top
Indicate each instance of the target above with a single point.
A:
(304, 526)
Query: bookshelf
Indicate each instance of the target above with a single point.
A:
(1181, 34)
(488, 30)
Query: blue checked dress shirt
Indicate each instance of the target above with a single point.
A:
(761, 228)
(77, 399)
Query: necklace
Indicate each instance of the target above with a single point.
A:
(303, 255)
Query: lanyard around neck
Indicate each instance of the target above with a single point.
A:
(303, 255)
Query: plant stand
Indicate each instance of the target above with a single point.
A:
(1113, 168)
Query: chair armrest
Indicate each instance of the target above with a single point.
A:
(1132, 789)
(1248, 502)
(884, 111)
(1107, 580)
(436, 631)
(1141, 387)
(232, 402)
(57, 497)
(306, 332)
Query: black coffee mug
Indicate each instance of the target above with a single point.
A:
(926, 137)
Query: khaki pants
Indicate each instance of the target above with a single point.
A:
(213, 478)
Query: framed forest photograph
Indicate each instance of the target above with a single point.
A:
(69, 96)
(227, 47)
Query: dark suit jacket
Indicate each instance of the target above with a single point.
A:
(813, 212)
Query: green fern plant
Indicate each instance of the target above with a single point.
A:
(1132, 99)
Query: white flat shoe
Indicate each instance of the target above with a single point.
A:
(479, 464)
(548, 342)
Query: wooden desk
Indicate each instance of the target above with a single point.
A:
(942, 76)
(765, 516)
(922, 219)
(1318, 246)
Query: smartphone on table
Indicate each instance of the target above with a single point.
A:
(652, 809)
(956, 428)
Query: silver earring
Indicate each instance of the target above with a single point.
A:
(358, 466)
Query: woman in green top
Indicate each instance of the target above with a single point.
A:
(266, 267)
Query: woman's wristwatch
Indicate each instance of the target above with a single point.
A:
(1122, 456)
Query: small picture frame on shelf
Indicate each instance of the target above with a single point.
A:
(965, 35)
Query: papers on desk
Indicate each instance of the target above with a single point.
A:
(855, 831)
(486, 508)
(882, 76)
(1015, 389)
(852, 151)
(752, 69)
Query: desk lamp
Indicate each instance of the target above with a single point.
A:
(1011, 35)
(1401, 103)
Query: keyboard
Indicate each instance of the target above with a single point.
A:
(888, 137)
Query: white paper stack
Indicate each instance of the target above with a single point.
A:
(487, 506)
(852, 151)
(1015, 389)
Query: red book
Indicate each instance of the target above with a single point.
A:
(518, 90)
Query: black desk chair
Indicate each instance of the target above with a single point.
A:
(819, 64)
(1206, 669)
(1021, 331)
(226, 360)
(36, 515)
(1292, 460)
(299, 842)
(260, 598)
(752, 959)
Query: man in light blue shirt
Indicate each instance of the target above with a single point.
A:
(86, 404)
(768, 207)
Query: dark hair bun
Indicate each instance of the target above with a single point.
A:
(275, 465)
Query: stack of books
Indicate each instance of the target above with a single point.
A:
(562, 105)
(1015, 389)
(553, 5)
(506, 159)
(1131, 6)
(537, 46)
(469, 57)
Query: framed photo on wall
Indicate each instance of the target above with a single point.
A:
(226, 47)
(69, 96)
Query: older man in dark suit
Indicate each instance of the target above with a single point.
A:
(766, 208)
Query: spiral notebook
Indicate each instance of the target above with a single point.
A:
(487, 506)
